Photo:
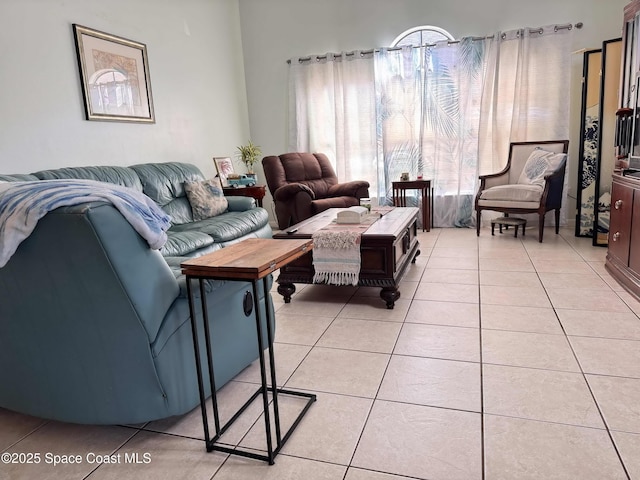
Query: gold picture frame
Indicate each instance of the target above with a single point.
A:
(224, 168)
(114, 73)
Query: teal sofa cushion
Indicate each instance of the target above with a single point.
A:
(183, 243)
(229, 226)
(164, 184)
(123, 176)
(18, 177)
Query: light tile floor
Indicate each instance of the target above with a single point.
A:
(503, 359)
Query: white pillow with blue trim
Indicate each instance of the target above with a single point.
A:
(540, 164)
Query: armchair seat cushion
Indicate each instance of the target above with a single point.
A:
(513, 193)
(507, 204)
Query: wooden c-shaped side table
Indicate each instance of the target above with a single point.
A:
(252, 261)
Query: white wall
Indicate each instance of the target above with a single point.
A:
(276, 30)
(197, 79)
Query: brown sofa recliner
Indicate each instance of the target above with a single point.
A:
(305, 184)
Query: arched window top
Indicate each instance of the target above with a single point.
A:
(421, 35)
(107, 75)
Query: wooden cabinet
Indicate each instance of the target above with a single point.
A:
(623, 256)
(634, 251)
(620, 226)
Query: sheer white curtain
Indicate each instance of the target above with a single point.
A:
(525, 94)
(447, 111)
(399, 83)
(429, 110)
(332, 110)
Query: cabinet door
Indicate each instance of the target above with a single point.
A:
(634, 250)
(620, 227)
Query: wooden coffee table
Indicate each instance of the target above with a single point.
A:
(387, 248)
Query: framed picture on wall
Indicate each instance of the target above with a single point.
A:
(224, 168)
(114, 73)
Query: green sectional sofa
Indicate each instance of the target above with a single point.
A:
(95, 326)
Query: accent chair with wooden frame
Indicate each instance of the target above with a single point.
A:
(509, 192)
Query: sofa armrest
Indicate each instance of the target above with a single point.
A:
(357, 188)
(240, 204)
(287, 192)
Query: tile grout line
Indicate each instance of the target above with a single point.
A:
(482, 430)
(217, 471)
(138, 430)
(584, 377)
(375, 397)
(38, 427)
(606, 427)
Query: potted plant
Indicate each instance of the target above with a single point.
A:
(248, 154)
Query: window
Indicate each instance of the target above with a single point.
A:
(111, 90)
(421, 35)
(447, 111)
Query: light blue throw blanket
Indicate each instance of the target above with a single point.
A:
(22, 204)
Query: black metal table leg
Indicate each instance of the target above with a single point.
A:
(262, 391)
(263, 373)
(196, 348)
(272, 362)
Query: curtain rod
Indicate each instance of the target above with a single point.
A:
(362, 53)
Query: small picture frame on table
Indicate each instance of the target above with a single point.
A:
(224, 168)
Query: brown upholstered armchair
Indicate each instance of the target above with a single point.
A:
(304, 184)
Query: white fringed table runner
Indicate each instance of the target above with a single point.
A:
(336, 256)
(336, 251)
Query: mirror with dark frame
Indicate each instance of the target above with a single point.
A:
(606, 155)
(588, 145)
